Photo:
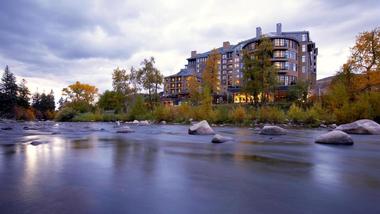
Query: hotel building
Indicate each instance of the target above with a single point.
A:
(294, 54)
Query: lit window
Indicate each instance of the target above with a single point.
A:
(303, 58)
(303, 48)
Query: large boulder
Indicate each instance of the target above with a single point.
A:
(361, 127)
(220, 139)
(273, 130)
(335, 138)
(201, 128)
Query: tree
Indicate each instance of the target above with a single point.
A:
(365, 56)
(44, 105)
(79, 96)
(211, 72)
(194, 87)
(298, 91)
(8, 93)
(259, 74)
(150, 78)
(112, 100)
(23, 95)
(120, 81)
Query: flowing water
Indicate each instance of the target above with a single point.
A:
(89, 168)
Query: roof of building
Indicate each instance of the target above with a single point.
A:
(295, 35)
(183, 73)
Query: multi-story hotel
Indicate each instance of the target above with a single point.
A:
(294, 54)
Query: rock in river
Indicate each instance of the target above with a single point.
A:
(36, 143)
(201, 128)
(361, 127)
(124, 129)
(220, 139)
(273, 130)
(335, 138)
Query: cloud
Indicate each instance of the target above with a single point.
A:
(55, 43)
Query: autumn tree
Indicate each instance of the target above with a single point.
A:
(365, 58)
(194, 87)
(79, 96)
(259, 73)
(211, 72)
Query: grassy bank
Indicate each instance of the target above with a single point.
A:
(240, 115)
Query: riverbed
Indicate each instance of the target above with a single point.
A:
(49, 167)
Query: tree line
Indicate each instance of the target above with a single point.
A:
(16, 101)
(354, 93)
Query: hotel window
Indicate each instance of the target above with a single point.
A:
(304, 36)
(224, 61)
(224, 56)
(303, 58)
(303, 48)
(224, 66)
(286, 65)
(303, 69)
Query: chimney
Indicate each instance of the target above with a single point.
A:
(226, 44)
(278, 28)
(193, 54)
(258, 32)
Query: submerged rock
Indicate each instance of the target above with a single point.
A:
(333, 126)
(36, 143)
(364, 126)
(124, 129)
(273, 130)
(220, 139)
(29, 128)
(6, 128)
(335, 138)
(201, 128)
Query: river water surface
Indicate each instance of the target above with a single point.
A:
(88, 168)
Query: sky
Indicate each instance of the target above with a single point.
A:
(54, 43)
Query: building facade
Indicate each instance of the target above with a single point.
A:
(294, 54)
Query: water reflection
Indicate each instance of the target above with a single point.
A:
(161, 169)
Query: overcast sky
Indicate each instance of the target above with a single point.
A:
(55, 43)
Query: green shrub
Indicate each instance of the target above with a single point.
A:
(138, 110)
(183, 113)
(296, 114)
(222, 115)
(162, 113)
(239, 115)
(66, 114)
(271, 115)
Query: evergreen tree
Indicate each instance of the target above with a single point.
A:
(8, 91)
(23, 95)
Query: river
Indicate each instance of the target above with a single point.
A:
(89, 168)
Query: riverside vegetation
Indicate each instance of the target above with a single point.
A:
(353, 94)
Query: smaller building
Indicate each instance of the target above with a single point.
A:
(176, 86)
